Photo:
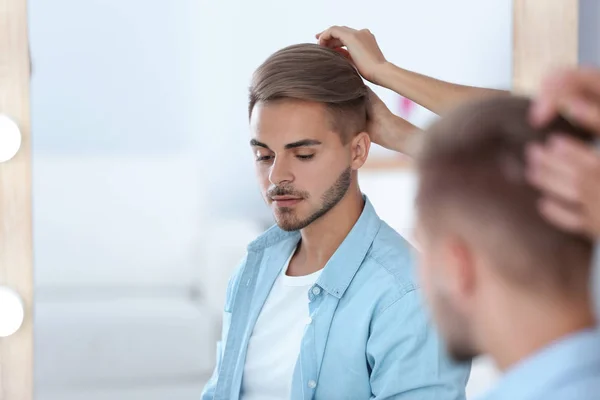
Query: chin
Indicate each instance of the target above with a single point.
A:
(462, 352)
(288, 226)
(290, 222)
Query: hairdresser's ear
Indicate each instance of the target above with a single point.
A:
(360, 145)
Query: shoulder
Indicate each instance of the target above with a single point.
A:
(392, 256)
(388, 272)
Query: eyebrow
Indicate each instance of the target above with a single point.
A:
(299, 143)
(302, 143)
(256, 143)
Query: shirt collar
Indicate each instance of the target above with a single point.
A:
(347, 259)
(527, 378)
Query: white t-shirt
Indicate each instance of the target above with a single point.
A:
(275, 342)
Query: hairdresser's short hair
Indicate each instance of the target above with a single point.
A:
(313, 73)
(472, 173)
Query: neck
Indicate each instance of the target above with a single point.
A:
(527, 326)
(322, 238)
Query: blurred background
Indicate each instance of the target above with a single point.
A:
(143, 187)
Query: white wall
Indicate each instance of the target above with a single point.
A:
(144, 194)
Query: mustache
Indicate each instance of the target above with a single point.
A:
(285, 191)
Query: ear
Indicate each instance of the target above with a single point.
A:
(360, 145)
(460, 269)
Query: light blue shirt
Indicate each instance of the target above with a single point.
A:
(596, 280)
(569, 369)
(370, 336)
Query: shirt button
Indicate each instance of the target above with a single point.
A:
(316, 290)
(312, 384)
(308, 320)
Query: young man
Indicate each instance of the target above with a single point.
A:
(325, 304)
(500, 279)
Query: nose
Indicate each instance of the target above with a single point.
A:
(280, 172)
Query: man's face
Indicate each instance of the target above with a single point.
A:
(441, 273)
(302, 166)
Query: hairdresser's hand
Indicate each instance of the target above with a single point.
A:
(361, 47)
(565, 169)
(379, 121)
(387, 129)
(573, 93)
(568, 173)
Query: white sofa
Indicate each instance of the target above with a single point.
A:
(130, 278)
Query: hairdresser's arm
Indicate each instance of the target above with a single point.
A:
(433, 94)
(389, 130)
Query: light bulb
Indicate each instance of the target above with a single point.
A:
(11, 311)
(10, 138)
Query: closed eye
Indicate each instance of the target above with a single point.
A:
(305, 157)
(263, 158)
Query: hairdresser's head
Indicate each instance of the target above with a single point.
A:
(308, 115)
(487, 254)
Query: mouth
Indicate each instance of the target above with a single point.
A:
(285, 201)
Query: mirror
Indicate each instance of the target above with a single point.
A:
(144, 190)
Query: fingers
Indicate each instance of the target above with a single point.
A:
(331, 38)
(567, 171)
(571, 150)
(338, 36)
(335, 36)
(565, 168)
(552, 175)
(376, 108)
(573, 93)
(583, 113)
(545, 106)
(332, 43)
(569, 218)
